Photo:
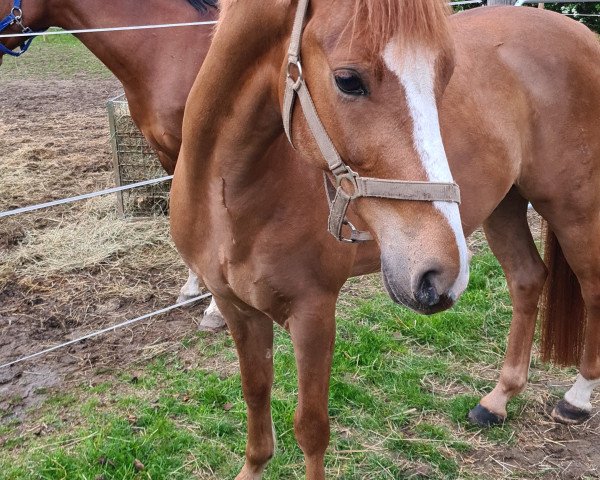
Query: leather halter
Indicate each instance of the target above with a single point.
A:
(15, 17)
(339, 199)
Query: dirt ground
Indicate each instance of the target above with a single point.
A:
(68, 271)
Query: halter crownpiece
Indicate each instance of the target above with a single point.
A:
(15, 17)
(339, 199)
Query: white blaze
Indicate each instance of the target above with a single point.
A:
(415, 68)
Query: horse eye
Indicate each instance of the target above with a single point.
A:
(350, 83)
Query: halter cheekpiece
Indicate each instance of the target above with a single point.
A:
(15, 17)
(345, 177)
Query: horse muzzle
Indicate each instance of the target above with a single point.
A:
(425, 288)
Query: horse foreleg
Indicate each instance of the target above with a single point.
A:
(252, 332)
(212, 319)
(313, 336)
(511, 242)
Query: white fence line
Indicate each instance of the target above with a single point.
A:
(106, 330)
(105, 29)
(85, 196)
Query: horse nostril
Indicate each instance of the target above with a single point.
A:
(426, 293)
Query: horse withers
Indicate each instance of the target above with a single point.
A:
(249, 214)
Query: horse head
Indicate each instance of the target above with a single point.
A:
(18, 17)
(376, 70)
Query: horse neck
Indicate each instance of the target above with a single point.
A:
(134, 54)
(238, 98)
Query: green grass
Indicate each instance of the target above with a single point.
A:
(54, 57)
(390, 409)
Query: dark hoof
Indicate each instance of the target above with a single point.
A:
(212, 323)
(566, 413)
(482, 417)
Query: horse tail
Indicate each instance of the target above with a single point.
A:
(562, 310)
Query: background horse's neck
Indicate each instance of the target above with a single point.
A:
(156, 67)
(128, 54)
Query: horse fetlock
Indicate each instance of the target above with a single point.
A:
(580, 393)
(249, 473)
(213, 320)
(190, 289)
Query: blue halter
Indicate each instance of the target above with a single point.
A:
(15, 17)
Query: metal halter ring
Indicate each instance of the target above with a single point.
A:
(17, 13)
(300, 78)
(351, 176)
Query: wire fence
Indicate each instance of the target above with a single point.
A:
(86, 196)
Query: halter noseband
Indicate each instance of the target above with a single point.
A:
(15, 17)
(339, 199)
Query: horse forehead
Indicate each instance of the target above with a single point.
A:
(410, 63)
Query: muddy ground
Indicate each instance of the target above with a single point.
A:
(72, 270)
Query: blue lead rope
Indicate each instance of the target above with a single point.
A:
(15, 16)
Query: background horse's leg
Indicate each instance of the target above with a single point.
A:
(190, 289)
(313, 335)
(510, 239)
(252, 332)
(581, 246)
(212, 320)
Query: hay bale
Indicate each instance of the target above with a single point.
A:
(135, 161)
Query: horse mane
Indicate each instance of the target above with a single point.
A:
(203, 5)
(377, 22)
(423, 22)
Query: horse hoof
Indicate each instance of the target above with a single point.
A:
(568, 414)
(482, 417)
(212, 322)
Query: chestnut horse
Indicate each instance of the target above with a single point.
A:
(248, 213)
(160, 120)
(147, 62)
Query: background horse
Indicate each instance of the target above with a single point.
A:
(265, 208)
(156, 67)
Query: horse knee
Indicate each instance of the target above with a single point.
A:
(312, 431)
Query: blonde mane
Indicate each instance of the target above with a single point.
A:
(377, 22)
(423, 22)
